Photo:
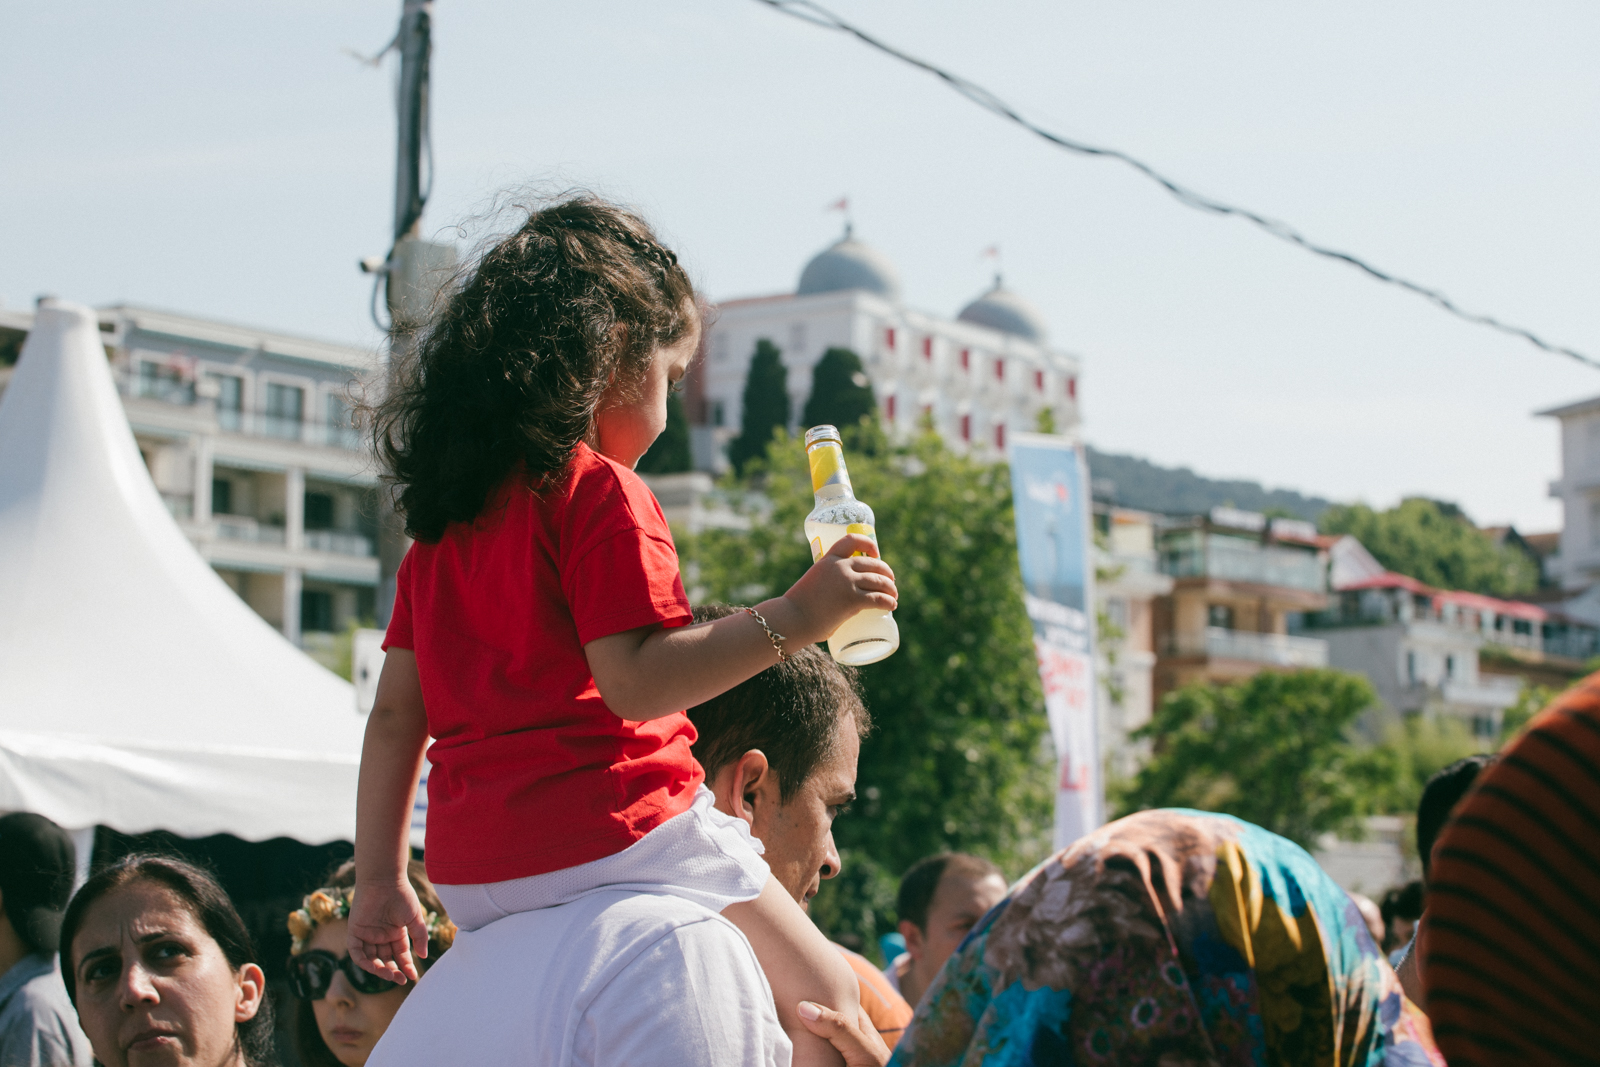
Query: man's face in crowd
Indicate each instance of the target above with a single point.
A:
(798, 835)
(958, 903)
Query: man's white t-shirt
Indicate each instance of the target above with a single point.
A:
(612, 979)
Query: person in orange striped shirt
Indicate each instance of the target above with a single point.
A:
(1509, 947)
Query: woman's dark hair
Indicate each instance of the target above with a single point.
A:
(516, 363)
(210, 906)
(308, 1043)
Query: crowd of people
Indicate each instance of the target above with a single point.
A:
(631, 805)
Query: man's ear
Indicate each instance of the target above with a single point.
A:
(914, 938)
(750, 779)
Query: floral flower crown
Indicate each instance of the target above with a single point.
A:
(330, 903)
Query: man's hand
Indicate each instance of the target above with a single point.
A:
(857, 1042)
(381, 917)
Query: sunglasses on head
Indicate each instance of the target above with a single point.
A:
(311, 973)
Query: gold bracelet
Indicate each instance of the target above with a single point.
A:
(776, 638)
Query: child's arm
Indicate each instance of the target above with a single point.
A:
(385, 909)
(650, 672)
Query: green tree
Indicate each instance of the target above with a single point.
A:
(766, 405)
(670, 453)
(1434, 543)
(841, 395)
(959, 757)
(1272, 750)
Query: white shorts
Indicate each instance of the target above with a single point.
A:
(699, 854)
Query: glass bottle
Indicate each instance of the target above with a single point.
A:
(870, 635)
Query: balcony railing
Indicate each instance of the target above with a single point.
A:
(243, 528)
(180, 392)
(1498, 693)
(1238, 559)
(345, 544)
(1279, 650)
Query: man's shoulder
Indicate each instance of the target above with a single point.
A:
(549, 968)
(612, 916)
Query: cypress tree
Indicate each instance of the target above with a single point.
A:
(670, 453)
(840, 392)
(766, 404)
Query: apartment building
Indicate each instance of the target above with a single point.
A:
(1128, 580)
(978, 375)
(249, 437)
(1239, 581)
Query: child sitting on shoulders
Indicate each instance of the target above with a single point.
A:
(540, 633)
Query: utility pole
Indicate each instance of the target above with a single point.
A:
(415, 268)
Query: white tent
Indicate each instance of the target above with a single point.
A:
(136, 690)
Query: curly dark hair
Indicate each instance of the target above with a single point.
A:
(211, 906)
(518, 360)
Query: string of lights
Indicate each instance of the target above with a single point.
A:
(817, 15)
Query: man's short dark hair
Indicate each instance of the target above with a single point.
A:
(1440, 797)
(922, 878)
(790, 712)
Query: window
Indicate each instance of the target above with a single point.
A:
(319, 511)
(338, 412)
(1220, 615)
(230, 399)
(966, 427)
(927, 348)
(285, 410)
(888, 407)
(1038, 380)
(888, 337)
(717, 415)
(1000, 370)
(1449, 666)
(221, 496)
(316, 611)
(966, 358)
(1072, 388)
(1411, 667)
(797, 339)
(158, 381)
(1594, 523)
(1000, 436)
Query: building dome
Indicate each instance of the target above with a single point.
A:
(849, 264)
(1001, 309)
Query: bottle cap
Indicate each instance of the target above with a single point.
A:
(823, 433)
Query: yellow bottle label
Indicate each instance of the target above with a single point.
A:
(827, 466)
(816, 549)
(864, 528)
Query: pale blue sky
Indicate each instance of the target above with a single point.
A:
(228, 160)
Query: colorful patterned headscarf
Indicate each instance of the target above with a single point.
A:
(1171, 938)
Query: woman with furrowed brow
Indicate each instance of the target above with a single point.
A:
(161, 969)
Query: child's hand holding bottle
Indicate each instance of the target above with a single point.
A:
(849, 578)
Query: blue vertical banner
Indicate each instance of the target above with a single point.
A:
(1050, 493)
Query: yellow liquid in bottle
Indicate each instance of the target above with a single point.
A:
(870, 635)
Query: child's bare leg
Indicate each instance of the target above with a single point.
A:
(800, 964)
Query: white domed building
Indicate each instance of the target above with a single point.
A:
(987, 372)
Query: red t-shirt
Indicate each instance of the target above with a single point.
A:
(531, 771)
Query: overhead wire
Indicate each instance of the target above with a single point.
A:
(817, 15)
